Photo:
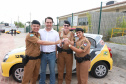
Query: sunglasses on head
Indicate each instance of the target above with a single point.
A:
(66, 25)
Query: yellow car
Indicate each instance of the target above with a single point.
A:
(101, 60)
(9, 32)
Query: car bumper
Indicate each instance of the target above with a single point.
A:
(6, 66)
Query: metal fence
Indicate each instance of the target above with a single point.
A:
(118, 31)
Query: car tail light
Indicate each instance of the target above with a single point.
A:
(110, 52)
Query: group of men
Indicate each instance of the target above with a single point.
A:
(42, 46)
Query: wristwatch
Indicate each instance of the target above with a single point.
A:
(69, 45)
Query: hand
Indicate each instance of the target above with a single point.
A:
(56, 55)
(66, 42)
(58, 42)
(62, 40)
(66, 39)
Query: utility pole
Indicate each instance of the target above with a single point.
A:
(18, 23)
(30, 22)
(57, 24)
(11, 22)
(30, 16)
(18, 18)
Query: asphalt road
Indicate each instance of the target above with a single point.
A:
(8, 43)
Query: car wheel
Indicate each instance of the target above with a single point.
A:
(99, 70)
(17, 72)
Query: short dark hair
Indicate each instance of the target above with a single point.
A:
(66, 22)
(35, 22)
(49, 18)
(79, 29)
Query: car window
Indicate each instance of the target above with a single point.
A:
(97, 38)
(93, 42)
(76, 38)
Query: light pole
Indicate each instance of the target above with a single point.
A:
(100, 19)
(72, 19)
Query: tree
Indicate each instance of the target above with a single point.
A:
(2, 22)
(89, 22)
(19, 24)
(121, 22)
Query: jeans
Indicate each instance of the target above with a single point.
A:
(50, 58)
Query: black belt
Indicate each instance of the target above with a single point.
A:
(47, 52)
(26, 58)
(64, 50)
(81, 59)
(33, 58)
(69, 51)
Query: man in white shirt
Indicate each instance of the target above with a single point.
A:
(49, 51)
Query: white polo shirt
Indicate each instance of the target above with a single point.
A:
(52, 36)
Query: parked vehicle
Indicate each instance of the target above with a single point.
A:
(2, 30)
(101, 60)
(9, 32)
(72, 29)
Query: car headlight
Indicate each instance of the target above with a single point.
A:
(5, 58)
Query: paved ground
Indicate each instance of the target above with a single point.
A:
(8, 43)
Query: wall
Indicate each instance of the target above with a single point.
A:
(119, 39)
(118, 54)
(108, 21)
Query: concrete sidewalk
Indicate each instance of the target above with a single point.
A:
(8, 43)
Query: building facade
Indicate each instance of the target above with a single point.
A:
(89, 19)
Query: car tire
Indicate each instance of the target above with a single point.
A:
(17, 72)
(99, 70)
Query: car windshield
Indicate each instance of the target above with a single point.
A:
(93, 42)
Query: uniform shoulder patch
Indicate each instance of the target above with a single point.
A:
(31, 35)
(85, 44)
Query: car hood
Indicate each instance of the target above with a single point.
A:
(21, 49)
